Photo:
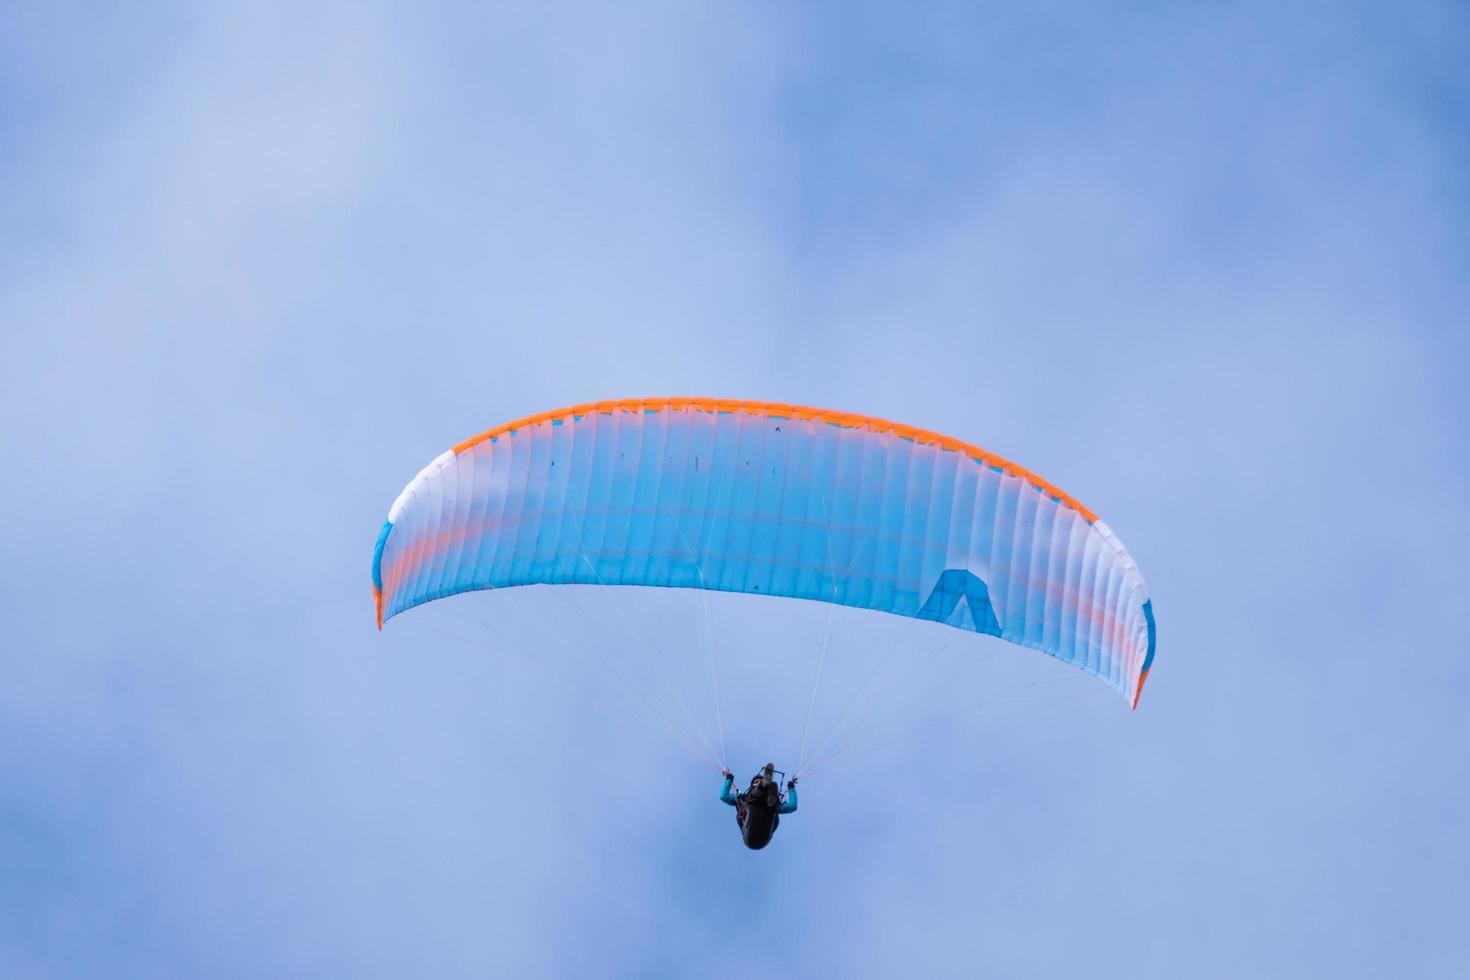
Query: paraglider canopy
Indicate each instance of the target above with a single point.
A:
(772, 499)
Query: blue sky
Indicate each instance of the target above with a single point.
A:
(1202, 267)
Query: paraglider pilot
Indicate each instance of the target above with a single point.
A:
(758, 809)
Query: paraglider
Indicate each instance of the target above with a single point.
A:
(758, 809)
(771, 499)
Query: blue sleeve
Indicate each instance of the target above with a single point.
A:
(725, 795)
(790, 805)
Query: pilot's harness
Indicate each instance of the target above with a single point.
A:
(742, 808)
